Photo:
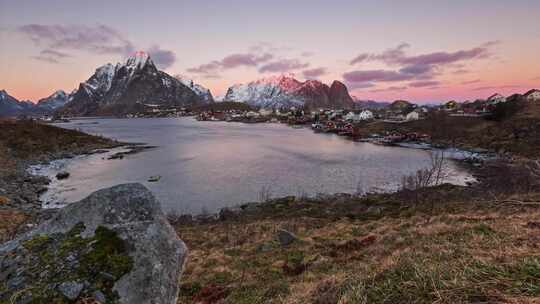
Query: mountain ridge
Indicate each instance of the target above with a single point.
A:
(286, 91)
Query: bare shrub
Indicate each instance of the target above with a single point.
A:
(430, 176)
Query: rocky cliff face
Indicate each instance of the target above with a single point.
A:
(124, 88)
(285, 91)
(115, 246)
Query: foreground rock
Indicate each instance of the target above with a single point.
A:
(114, 246)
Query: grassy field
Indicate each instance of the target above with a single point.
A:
(451, 246)
(23, 140)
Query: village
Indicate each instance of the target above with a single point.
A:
(350, 123)
(355, 124)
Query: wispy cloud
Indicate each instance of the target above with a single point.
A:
(51, 56)
(360, 85)
(471, 81)
(397, 56)
(99, 39)
(422, 84)
(58, 40)
(501, 87)
(421, 68)
(314, 73)
(390, 89)
(162, 58)
(230, 62)
(376, 75)
(283, 65)
(261, 56)
(461, 72)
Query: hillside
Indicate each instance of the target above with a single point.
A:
(516, 129)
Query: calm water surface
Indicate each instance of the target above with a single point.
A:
(205, 166)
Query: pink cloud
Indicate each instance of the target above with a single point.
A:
(471, 81)
(283, 65)
(421, 84)
(389, 89)
(376, 75)
(314, 73)
(230, 62)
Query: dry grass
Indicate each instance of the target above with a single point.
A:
(28, 140)
(473, 254)
(10, 221)
(518, 134)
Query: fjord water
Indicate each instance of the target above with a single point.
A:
(205, 166)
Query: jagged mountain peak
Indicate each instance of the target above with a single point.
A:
(126, 87)
(58, 93)
(285, 91)
(138, 60)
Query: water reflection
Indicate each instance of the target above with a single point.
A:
(209, 165)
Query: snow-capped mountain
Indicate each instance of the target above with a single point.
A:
(533, 95)
(285, 91)
(203, 92)
(496, 98)
(126, 87)
(57, 100)
(10, 106)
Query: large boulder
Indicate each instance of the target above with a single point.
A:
(116, 244)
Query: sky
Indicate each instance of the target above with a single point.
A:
(420, 50)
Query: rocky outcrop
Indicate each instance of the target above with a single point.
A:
(115, 246)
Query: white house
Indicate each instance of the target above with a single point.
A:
(265, 112)
(412, 116)
(533, 95)
(366, 115)
(351, 116)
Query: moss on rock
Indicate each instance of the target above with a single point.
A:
(96, 262)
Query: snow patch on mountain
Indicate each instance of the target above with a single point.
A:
(57, 100)
(197, 88)
(285, 91)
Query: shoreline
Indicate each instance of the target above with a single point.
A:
(458, 175)
(33, 186)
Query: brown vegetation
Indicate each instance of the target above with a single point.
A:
(472, 245)
(517, 133)
(30, 140)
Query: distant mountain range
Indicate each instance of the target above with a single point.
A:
(285, 91)
(371, 104)
(10, 106)
(131, 86)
